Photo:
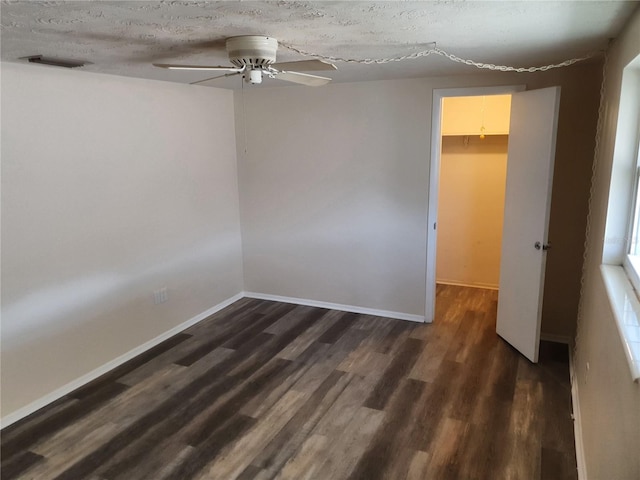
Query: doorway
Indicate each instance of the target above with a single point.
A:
(460, 259)
(527, 205)
(473, 171)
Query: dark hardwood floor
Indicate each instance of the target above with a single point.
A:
(267, 390)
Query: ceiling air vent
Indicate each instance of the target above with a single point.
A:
(55, 62)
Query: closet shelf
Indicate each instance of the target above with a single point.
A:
(469, 134)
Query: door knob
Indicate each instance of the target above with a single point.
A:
(543, 246)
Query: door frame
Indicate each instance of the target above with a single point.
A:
(434, 176)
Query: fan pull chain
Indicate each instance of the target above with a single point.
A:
(442, 53)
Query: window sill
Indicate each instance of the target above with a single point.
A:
(626, 311)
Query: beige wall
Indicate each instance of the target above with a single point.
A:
(471, 209)
(334, 186)
(112, 188)
(609, 400)
(470, 115)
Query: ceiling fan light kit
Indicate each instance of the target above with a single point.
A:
(253, 56)
(254, 76)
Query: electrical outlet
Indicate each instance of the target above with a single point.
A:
(160, 296)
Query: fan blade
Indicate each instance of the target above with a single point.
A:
(305, 66)
(303, 78)
(217, 76)
(198, 67)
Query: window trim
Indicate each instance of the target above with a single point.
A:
(626, 312)
(631, 262)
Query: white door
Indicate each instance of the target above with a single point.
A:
(532, 146)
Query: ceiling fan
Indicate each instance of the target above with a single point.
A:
(254, 56)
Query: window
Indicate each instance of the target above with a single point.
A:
(621, 250)
(632, 260)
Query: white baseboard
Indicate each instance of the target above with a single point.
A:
(470, 285)
(92, 375)
(577, 422)
(337, 306)
(84, 379)
(552, 337)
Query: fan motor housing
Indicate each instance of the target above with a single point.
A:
(252, 50)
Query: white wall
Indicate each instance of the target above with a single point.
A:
(112, 187)
(333, 201)
(609, 400)
(334, 185)
(471, 209)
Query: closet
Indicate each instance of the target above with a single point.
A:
(473, 167)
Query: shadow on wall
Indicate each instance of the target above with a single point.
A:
(30, 318)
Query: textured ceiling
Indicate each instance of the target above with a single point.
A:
(125, 37)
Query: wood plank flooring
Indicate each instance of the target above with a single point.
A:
(267, 390)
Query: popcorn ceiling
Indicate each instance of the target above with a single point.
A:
(125, 37)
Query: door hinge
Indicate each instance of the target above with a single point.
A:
(543, 246)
